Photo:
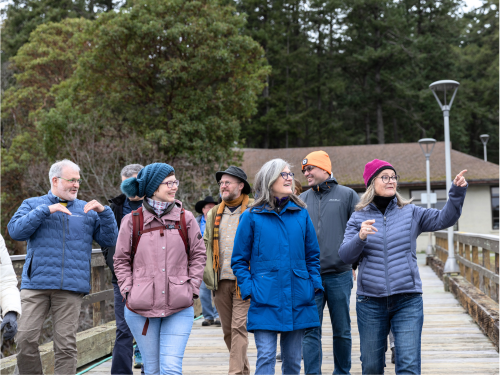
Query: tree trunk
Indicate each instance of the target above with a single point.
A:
(367, 129)
(380, 118)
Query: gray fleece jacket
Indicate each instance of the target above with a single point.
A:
(330, 206)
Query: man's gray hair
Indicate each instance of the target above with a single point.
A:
(57, 167)
(265, 178)
(130, 170)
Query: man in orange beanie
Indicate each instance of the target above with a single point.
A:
(330, 206)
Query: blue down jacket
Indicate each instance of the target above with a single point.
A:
(388, 259)
(60, 245)
(283, 254)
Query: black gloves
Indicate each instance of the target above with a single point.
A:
(10, 324)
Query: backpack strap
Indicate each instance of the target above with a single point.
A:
(183, 231)
(137, 227)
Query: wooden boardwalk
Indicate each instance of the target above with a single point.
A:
(451, 342)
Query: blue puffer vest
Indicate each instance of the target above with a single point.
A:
(388, 258)
(60, 245)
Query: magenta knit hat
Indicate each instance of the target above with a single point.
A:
(373, 167)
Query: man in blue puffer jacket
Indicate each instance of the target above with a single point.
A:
(59, 229)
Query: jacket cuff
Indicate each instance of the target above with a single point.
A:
(317, 284)
(245, 292)
(44, 209)
(126, 287)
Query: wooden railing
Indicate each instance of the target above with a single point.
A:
(98, 296)
(477, 256)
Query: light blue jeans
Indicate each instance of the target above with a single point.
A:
(291, 351)
(162, 348)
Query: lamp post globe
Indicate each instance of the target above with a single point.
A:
(446, 87)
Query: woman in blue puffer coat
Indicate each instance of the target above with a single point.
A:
(276, 263)
(381, 234)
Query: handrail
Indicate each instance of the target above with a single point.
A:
(476, 266)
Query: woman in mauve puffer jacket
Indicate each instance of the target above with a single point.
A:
(161, 281)
(381, 234)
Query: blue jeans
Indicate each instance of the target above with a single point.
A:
(124, 346)
(337, 295)
(403, 314)
(291, 355)
(207, 308)
(162, 348)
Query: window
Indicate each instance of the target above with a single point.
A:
(494, 206)
(440, 196)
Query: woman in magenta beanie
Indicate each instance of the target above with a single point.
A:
(382, 235)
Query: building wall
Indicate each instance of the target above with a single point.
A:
(476, 214)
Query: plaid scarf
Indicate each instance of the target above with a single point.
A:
(241, 200)
(159, 207)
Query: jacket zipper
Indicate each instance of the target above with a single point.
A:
(386, 259)
(64, 237)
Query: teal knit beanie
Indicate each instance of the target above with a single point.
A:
(147, 181)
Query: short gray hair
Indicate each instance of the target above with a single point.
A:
(57, 167)
(131, 169)
(265, 178)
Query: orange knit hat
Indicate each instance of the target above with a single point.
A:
(318, 159)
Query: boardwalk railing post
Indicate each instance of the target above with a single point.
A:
(98, 308)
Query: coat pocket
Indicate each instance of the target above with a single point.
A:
(76, 227)
(141, 295)
(303, 290)
(180, 292)
(265, 289)
(410, 265)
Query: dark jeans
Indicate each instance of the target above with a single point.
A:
(337, 294)
(124, 348)
(403, 314)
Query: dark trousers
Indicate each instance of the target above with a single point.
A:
(124, 349)
(337, 295)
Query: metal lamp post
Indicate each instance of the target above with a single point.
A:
(427, 146)
(451, 265)
(484, 138)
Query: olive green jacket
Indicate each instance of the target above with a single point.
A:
(210, 276)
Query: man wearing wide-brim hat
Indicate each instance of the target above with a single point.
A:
(222, 222)
(210, 314)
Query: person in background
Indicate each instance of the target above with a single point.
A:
(210, 314)
(382, 236)
(10, 299)
(298, 187)
(330, 206)
(276, 263)
(161, 279)
(124, 341)
(222, 223)
(59, 229)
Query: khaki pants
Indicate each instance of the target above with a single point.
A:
(65, 307)
(233, 317)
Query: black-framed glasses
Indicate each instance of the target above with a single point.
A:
(285, 175)
(225, 183)
(309, 168)
(170, 184)
(72, 181)
(385, 179)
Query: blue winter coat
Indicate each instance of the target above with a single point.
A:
(60, 245)
(283, 254)
(388, 258)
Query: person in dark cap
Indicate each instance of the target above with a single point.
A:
(222, 222)
(210, 314)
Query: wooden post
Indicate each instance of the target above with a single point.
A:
(496, 271)
(486, 264)
(461, 253)
(475, 260)
(468, 273)
(98, 308)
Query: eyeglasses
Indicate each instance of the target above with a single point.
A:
(285, 175)
(72, 181)
(309, 168)
(225, 183)
(170, 184)
(385, 179)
